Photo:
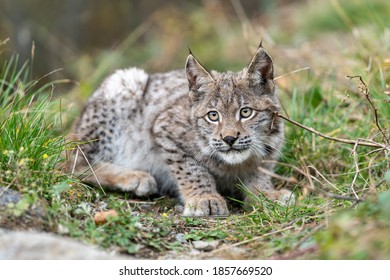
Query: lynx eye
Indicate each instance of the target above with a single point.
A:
(213, 116)
(246, 112)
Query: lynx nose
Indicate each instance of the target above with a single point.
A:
(229, 140)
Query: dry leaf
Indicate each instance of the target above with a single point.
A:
(101, 217)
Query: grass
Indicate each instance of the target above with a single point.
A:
(330, 179)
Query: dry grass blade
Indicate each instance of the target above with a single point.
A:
(292, 72)
(291, 180)
(355, 158)
(90, 166)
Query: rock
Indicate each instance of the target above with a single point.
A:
(32, 218)
(8, 196)
(25, 245)
(181, 238)
(206, 246)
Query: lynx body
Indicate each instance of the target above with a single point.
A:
(193, 134)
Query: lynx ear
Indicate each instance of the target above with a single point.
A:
(261, 68)
(197, 75)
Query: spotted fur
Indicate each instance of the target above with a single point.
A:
(194, 134)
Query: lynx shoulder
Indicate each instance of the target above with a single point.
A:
(194, 134)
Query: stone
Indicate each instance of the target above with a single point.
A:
(205, 246)
(8, 196)
(180, 237)
(32, 218)
(25, 245)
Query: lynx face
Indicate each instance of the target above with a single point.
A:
(232, 112)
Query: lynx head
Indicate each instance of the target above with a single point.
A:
(233, 112)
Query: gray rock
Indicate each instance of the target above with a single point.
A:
(206, 246)
(45, 246)
(181, 238)
(8, 196)
(32, 218)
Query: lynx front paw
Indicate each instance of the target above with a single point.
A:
(208, 205)
(139, 182)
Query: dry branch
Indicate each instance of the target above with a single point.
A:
(366, 91)
(360, 142)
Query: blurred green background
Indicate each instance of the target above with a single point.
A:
(73, 34)
(89, 39)
(81, 42)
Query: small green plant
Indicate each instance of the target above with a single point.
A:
(29, 149)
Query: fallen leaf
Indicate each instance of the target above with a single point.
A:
(101, 217)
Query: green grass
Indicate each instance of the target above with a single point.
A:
(318, 225)
(29, 149)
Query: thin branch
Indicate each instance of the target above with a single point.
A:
(90, 166)
(323, 177)
(362, 142)
(75, 161)
(365, 90)
(355, 159)
(291, 180)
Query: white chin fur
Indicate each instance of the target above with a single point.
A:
(235, 157)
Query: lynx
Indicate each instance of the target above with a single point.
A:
(194, 134)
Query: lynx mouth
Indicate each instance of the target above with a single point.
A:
(235, 156)
(233, 149)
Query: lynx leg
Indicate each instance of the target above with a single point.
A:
(113, 177)
(199, 193)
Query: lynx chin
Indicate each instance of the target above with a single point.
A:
(193, 133)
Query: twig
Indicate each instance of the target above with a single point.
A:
(365, 90)
(75, 161)
(5, 41)
(291, 180)
(362, 142)
(355, 159)
(323, 177)
(133, 201)
(90, 166)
